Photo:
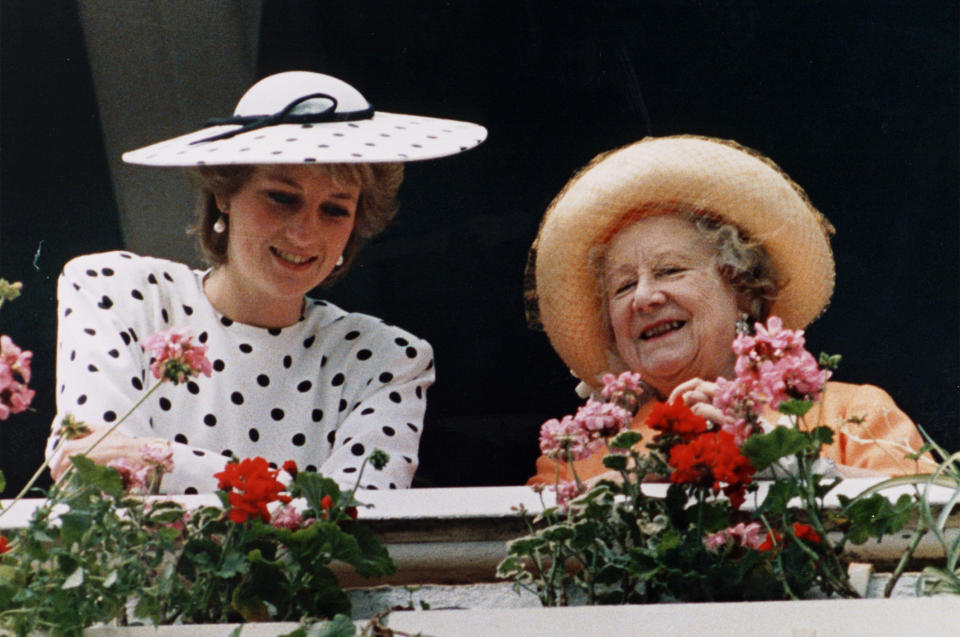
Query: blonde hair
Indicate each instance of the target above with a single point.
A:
(376, 207)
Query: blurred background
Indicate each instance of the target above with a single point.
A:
(857, 101)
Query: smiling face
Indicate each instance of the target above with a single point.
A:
(673, 316)
(288, 225)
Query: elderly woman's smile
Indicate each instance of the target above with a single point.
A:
(673, 316)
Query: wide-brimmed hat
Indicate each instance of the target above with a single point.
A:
(713, 177)
(301, 117)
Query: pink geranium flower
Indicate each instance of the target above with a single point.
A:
(175, 357)
(771, 367)
(602, 420)
(15, 396)
(136, 477)
(566, 436)
(566, 491)
(747, 535)
(287, 517)
(158, 456)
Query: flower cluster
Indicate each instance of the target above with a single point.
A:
(690, 544)
(742, 534)
(586, 432)
(712, 460)
(675, 420)
(175, 357)
(15, 396)
(772, 367)
(143, 475)
(152, 561)
(251, 485)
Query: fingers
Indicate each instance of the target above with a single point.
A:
(694, 391)
(708, 411)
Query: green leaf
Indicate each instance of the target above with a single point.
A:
(3, 483)
(339, 626)
(374, 559)
(822, 435)
(558, 533)
(625, 440)
(828, 361)
(778, 497)
(235, 563)
(764, 449)
(875, 516)
(106, 479)
(795, 407)
(615, 462)
(313, 487)
(73, 525)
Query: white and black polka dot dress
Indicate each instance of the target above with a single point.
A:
(323, 392)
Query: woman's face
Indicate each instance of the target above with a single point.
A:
(288, 226)
(673, 315)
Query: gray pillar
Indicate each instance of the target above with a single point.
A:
(161, 69)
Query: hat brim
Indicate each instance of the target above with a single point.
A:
(689, 173)
(386, 137)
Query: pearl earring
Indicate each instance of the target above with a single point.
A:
(220, 225)
(340, 261)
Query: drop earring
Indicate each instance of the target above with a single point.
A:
(220, 225)
(340, 261)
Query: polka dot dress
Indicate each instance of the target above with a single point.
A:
(323, 392)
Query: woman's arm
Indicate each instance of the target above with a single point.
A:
(387, 414)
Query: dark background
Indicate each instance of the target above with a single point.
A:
(857, 101)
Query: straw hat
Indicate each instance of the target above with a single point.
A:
(698, 174)
(301, 117)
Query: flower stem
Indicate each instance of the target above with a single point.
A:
(46, 462)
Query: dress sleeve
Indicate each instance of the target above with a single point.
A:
(873, 433)
(387, 414)
(108, 304)
(101, 367)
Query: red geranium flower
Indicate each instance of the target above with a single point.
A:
(710, 460)
(4, 547)
(806, 532)
(800, 530)
(676, 419)
(290, 466)
(252, 485)
(326, 503)
(773, 538)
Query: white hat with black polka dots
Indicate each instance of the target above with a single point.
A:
(301, 117)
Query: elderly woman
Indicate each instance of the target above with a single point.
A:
(291, 185)
(652, 254)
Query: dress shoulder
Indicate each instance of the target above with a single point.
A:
(120, 265)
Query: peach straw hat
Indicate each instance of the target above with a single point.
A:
(302, 117)
(685, 173)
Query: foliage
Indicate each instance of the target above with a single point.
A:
(613, 543)
(933, 579)
(93, 553)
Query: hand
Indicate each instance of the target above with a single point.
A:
(698, 395)
(115, 445)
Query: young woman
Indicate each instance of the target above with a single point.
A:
(302, 173)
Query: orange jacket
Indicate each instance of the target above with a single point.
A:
(878, 443)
